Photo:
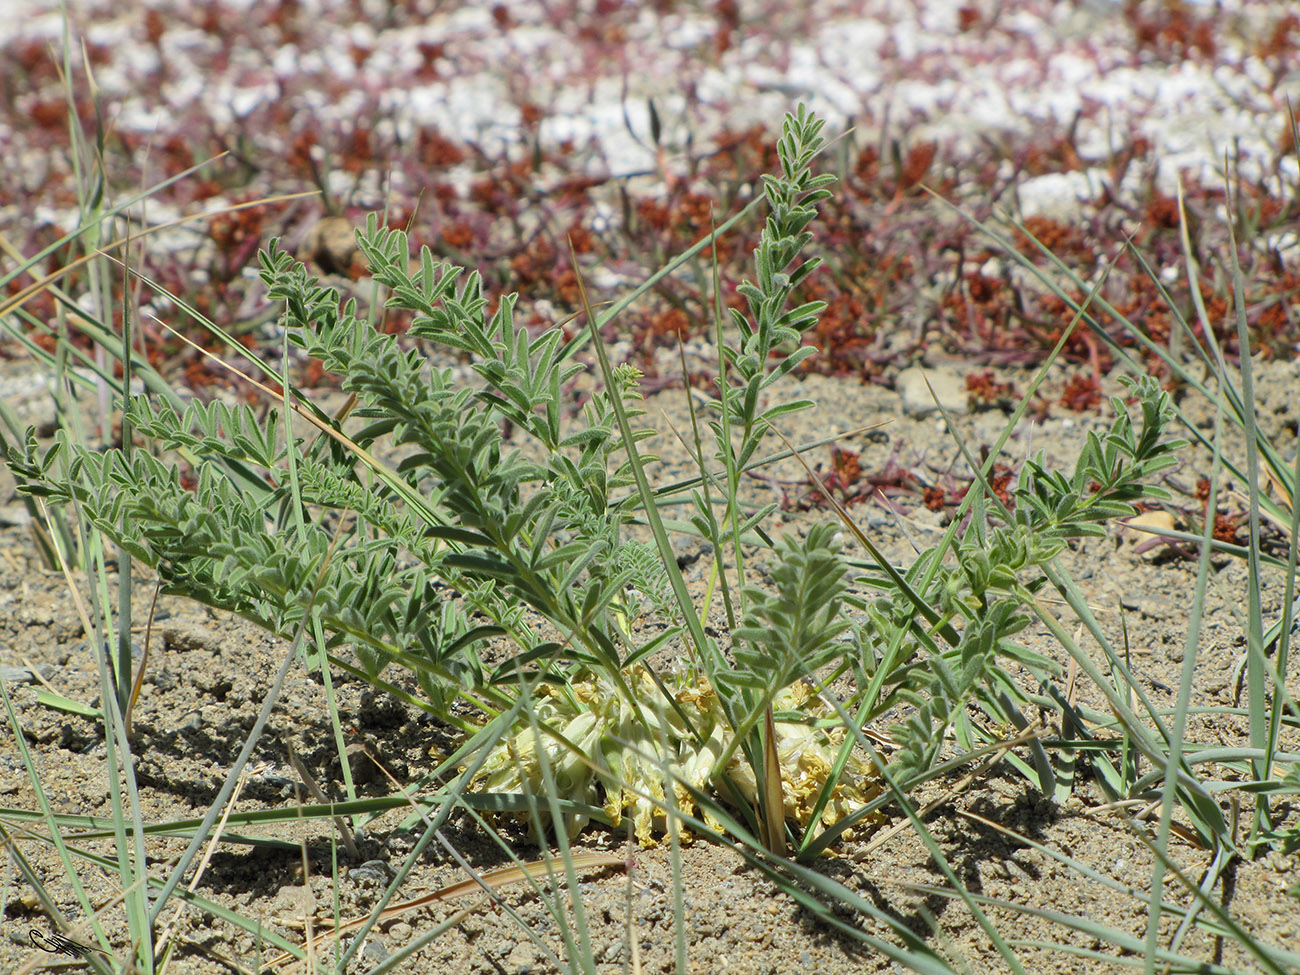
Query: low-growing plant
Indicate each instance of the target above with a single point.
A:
(455, 521)
(413, 531)
(1175, 779)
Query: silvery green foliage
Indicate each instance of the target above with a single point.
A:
(783, 637)
(987, 595)
(771, 324)
(273, 530)
(468, 538)
(463, 514)
(792, 632)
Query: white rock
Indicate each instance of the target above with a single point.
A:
(1150, 523)
(1146, 529)
(949, 389)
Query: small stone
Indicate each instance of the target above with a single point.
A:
(331, 245)
(1150, 523)
(164, 680)
(949, 389)
(15, 515)
(24, 903)
(294, 903)
(374, 951)
(521, 959)
(1145, 530)
(363, 769)
(400, 842)
(25, 675)
(401, 931)
(612, 953)
(371, 872)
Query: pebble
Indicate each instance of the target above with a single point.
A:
(949, 389)
(1151, 522)
(374, 951)
(330, 244)
(400, 842)
(372, 871)
(15, 515)
(521, 959)
(294, 902)
(612, 954)
(25, 675)
(363, 768)
(1146, 528)
(1280, 862)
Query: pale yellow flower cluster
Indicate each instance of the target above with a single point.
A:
(604, 750)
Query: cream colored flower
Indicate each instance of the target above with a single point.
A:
(618, 755)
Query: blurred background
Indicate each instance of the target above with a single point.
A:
(496, 133)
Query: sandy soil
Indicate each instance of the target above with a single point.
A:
(292, 81)
(207, 674)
